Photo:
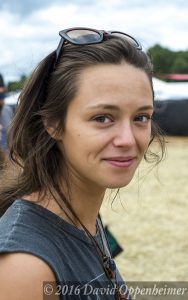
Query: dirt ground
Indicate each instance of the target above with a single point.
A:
(150, 219)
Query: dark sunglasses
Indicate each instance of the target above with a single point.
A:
(87, 36)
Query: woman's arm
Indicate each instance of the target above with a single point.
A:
(22, 276)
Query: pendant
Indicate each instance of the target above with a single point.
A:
(109, 266)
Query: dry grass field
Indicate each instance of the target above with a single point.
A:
(150, 219)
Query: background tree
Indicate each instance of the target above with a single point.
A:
(16, 85)
(166, 61)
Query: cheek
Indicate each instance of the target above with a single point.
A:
(144, 140)
(76, 145)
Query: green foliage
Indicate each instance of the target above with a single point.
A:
(16, 85)
(180, 65)
(166, 61)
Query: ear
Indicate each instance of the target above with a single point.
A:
(51, 128)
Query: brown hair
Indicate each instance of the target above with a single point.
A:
(34, 154)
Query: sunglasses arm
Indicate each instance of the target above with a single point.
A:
(59, 49)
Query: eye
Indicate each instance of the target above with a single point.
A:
(103, 119)
(143, 118)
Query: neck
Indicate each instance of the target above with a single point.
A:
(86, 203)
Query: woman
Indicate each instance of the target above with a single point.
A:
(82, 125)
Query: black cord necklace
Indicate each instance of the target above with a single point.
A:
(108, 262)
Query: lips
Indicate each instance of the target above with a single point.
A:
(120, 162)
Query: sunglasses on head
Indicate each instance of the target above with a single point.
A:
(88, 36)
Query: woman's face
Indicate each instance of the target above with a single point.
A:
(108, 126)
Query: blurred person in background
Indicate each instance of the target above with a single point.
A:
(6, 115)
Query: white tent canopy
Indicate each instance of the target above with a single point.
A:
(12, 98)
(170, 90)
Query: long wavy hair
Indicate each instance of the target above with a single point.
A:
(36, 163)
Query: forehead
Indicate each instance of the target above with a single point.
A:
(114, 83)
(108, 76)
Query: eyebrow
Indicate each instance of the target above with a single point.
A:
(114, 107)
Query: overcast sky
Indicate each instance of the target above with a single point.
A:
(29, 29)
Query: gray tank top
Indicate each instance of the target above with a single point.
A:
(30, 228)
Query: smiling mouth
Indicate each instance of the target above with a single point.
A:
(120, 162)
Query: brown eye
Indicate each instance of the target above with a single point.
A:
(143, 118)
(103, 119)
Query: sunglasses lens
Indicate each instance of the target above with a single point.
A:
(128, 38)
(83, 36)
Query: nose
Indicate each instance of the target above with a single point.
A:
(124, 136)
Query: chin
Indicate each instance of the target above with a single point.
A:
(118, 185)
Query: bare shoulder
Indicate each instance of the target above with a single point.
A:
(22, 276)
